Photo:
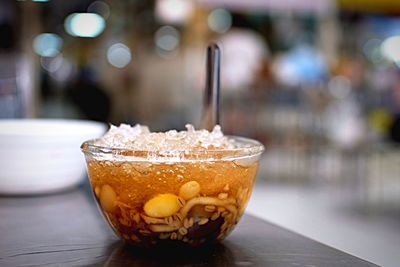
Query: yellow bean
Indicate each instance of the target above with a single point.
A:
(161, 206)
(107, 198)
(189, 190)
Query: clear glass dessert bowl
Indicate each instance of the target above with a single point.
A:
(191, 197)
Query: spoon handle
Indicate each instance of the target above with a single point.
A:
(211, 104)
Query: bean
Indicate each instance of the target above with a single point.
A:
(161, 206)
(107, 198)
(189, 190)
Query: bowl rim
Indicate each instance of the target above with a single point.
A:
(23, 127)
(250, 148)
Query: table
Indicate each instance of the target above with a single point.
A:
(66, 229)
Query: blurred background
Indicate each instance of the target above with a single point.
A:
(318, 82)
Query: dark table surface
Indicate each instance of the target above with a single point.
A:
(66, 229)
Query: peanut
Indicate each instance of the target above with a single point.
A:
(161, 206)
(189, 190)
(203, 221)
(97, 191)
(222, 196)
(107, 198)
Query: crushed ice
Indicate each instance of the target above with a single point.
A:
(139, 137)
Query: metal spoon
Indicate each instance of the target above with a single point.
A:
(211, 105)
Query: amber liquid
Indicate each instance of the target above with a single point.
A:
(225, 186)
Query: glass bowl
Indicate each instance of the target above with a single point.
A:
(189, 197)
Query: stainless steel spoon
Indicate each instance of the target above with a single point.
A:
(211, 105)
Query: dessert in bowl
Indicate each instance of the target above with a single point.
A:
(189, 187)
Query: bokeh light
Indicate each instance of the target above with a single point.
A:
(84, 24)
(119, 55)
(52, 64)
(47, 44)
(390, 49)
(219, 20)
(371, 50)
(167, 38)
(63, 72)
(99, 7)
(301, 65)
(173, 11)
(243, 52)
